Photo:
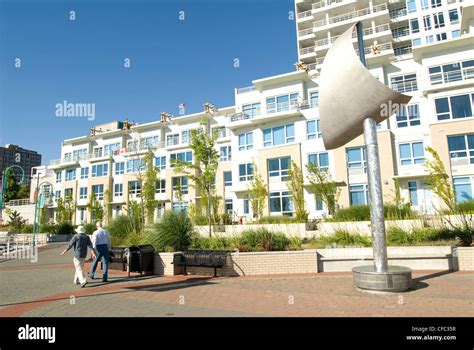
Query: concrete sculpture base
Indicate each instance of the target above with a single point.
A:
(396, 279)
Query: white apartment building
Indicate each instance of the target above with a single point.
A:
(421, 48)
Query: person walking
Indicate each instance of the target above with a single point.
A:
(101, 243)
(80, 242)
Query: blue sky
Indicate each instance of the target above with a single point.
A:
(172, 61)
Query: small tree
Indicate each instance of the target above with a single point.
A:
(296, 186)
(147, 180)
(257, 193)
(202, 172)
(438, 182)
(15, 220)
(65, 210)
(95, 208)
(323, 186)
(12, 187)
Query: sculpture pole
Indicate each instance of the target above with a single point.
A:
(374, 178)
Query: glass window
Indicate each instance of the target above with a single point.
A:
(408, 116)
(454, 107)
(246, 205)
(453, 16)
(413, 193)
(251, 110)
(160, 186)
(411, 153)
(84, 173)
(356, 158)
(319, 204)
(180, 206)
(438, 19)
(172, 139)
(456, 33)
(246, 141)
(134, 188)
(70, 174)
(415, 26)
(160, 162)
(246, 172)
(111, 149)
(68, 193)
(462, 146)
(229, 205)
(282, 103)
(226, 153)
(279, 167)
(180, 183)
(320, 159)
(227, 178)
(411, 5)
(182, 157)
(58, 176)
(118, 190)
(100, 170)
(281, 203)
(57, 195)
(463, 189)
(404, 83)
(314, 99)
(313, 128)
(359, 195)
(98, 191)
(83, 193)
(279, 135)
(119, 168)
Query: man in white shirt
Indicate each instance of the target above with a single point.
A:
(101, 243)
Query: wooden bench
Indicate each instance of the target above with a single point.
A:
(202, 258)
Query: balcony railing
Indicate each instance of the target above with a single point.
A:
(307, 50)
(240, 116)
(321, 4)
(367, 32)
(350, 15)
(407, 86)
(172, 141)
(305, 32)
(452, 76)
(400, 32)
(399, 51)
(396, 13)
(246, 89)
(282, 106)
(304, 14)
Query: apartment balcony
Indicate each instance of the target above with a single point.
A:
(351, 17)
(398, 15)
(401, 34)
(306, 34)
(328, 5)
(67, 162)
(369, 33)
(304, 16)
(178, 142)
(307, 52)
(246, 89)
(463, 77)
(140, 149)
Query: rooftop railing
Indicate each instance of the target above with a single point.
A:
(350, 15)
(246, 89)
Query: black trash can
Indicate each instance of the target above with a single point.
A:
(141, 259)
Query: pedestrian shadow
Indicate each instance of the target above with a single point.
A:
(175, 285)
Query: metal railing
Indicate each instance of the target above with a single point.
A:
(17, 202)
(276, 107)
(240, 116)
(246, 89)
(305, 32)
(367, 32)
(399, 51)
(321, 4)
(350, 15)
(407, 86)
(452, 76)
(307, 50)
(304, 14)
(396, 13)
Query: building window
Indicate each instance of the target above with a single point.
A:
(359, 194)
(319, 204)
(135, 165)
(98, 152)
(282, 103)
(119, 168)
(84, 173)
(413, 193)
(456, 33)
(462, 147)
(180, 206)
(404, 83)
(441, 37)
(408, 116)
(229, 206)
(313, 129)
(412, 153)
(160, 186)
(118, 190)
(172, 139)
(160, 162)
(68, 193)
(463, 188)
(98, 191)
(58, 176)
(246, 205)
(321, 160)
(82, 215)
(57, 195)
(454, 107)
(227, 178)
(185, 136)
(100, 170)
(226, 153)
(180, 184)
(181, 157)
(279, 135)
(314, 99)
(251, 110)
(280, 203)
(438, 19)
(111, 149)
(70, 175)
(82, 192)
(448, 73)
(436, 3)
(279, 167)
(246, 172)
(356, 158)
(415, 26)
(411, 5)
(219, 132)
(134, 188)
(246, 141)
(425, 4)
(160, 210)
(453, 16)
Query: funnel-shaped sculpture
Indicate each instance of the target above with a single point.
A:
(349, 93)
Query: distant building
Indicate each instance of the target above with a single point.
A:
(15, 155)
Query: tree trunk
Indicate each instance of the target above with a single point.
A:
(209, 213)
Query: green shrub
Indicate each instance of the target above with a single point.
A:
(90, 228)
(173, 232)
(200, 220)
(465, 207)
(342, 238)
(214, 243)
(263, 240)
(280, 242)
(354, 213)
(65, 228)
(277, 219)
(119, 227)
(398, 236)
(27, 229)
(47, 228)
(397, 212)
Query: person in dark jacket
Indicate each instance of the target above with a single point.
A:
(80, 242)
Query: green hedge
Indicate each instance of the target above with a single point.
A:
(362, 213)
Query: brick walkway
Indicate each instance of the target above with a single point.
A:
(45, 289)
